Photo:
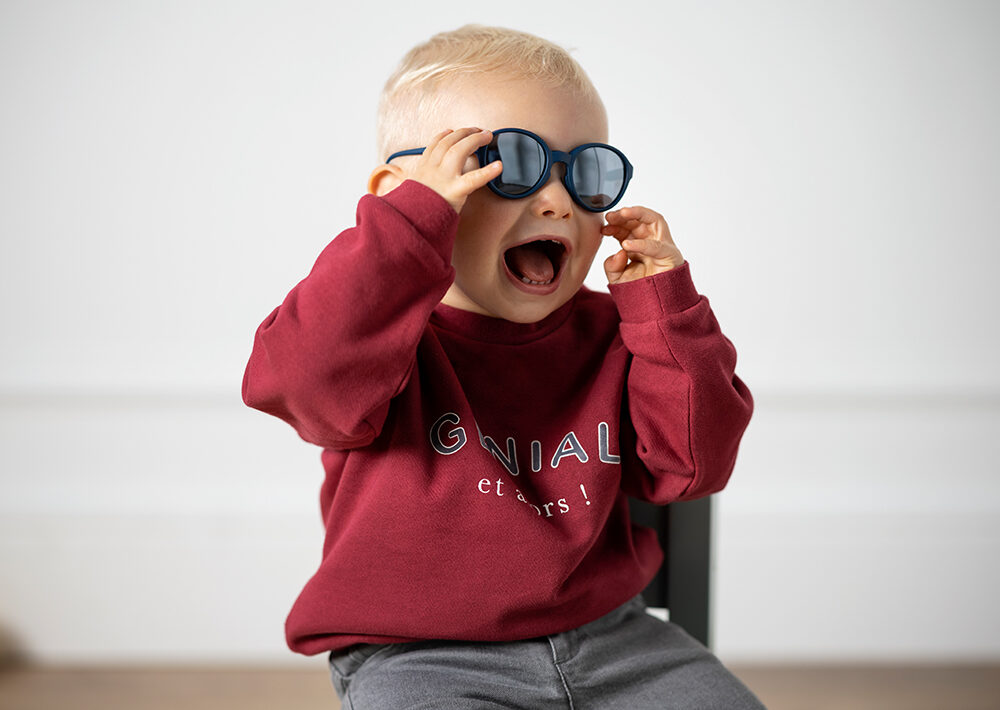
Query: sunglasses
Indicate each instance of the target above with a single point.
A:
(596, 174)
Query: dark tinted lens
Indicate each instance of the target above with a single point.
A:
(598, 175)
(523, 162)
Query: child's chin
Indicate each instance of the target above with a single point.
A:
(528, 319)
(534, 312)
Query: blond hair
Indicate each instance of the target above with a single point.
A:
(411, 91)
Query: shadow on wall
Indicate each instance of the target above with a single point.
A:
(13, 653)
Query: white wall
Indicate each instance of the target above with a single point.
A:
(169, 170)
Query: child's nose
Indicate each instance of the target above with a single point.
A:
(553, 200)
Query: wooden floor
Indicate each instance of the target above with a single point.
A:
(780, 688)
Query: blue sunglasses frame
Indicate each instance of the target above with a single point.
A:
(551, 158)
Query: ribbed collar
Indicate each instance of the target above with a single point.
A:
(487, 329)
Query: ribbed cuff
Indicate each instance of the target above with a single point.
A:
(649, 298)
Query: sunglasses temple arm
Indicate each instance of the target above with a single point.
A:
(411, 151)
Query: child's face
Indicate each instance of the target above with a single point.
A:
(490, 274)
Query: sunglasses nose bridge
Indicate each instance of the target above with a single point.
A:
(559, 157)
(567, 160)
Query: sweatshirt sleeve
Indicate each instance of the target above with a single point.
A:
(343, 343)
(687, 407)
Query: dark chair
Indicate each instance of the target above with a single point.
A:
(681, 585)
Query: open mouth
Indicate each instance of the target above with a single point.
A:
(536, 263)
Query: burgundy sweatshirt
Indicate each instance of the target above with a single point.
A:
(477, 469)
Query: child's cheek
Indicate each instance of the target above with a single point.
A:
(592, 225)
(590, 233)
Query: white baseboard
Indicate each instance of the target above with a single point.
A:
(173, 529)
(856, 587)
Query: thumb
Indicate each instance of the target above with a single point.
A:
(614, 266)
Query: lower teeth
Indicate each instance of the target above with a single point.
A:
(526, 280)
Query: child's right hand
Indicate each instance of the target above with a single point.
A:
(442, 163)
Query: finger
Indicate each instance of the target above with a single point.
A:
(618, 223)
(435, 140)
(646, 247)
(658, 231)
(617, 218)
(475, 179)
(621, 231)
(621, 216)
(641, 214)
(445, 143)
(468, 143)
(466, 147)
(614, 266)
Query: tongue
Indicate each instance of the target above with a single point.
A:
(531, 263)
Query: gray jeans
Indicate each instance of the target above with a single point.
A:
(626, 659)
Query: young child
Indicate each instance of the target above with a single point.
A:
(483, 416)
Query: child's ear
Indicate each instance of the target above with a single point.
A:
(385, 178)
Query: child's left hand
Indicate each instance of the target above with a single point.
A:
(647, 247)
